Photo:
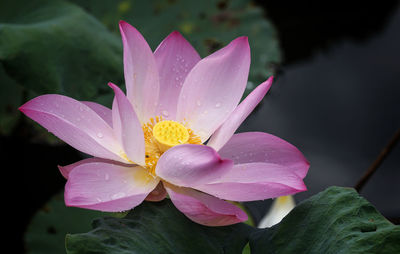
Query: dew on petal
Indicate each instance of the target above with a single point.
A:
(218, 105)
(100, 135)
(165, 113)
(198, 103)
(106, 177)
(118, 195)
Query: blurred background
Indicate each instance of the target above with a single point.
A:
(335, 96)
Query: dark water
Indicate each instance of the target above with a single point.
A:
(340, 107)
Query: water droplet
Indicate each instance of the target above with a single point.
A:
(177, 78)
(99, 199)
(118, 195)
(106, 177)
(198, 103)
(100, 135)
(165, 113)
(218, 105)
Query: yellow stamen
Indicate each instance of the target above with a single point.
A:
(160, 135)
(169, 134)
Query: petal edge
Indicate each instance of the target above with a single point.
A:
(205, 209)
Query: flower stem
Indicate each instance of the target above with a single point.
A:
(381, 157)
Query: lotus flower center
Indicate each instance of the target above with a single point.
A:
(170, 133)
(160, 135)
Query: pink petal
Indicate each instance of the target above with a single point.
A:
(127, 127)
(203, 208)
(75, 123)
(141, 75)
(214, 87)
(64, 170)
(158, 194)
(189, 165)
(101, 110)
(228, 128)
(263, 147)
(175, 57)
(255, 181)
(108, 186)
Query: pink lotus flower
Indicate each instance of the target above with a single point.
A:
(151, 142)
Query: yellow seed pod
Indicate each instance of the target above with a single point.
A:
(169, 134)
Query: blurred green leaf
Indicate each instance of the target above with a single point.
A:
(208, 25)
(50, 46)
(336, 220)
(10, 100)
(157, 228)
(246, 249)
(46, 233)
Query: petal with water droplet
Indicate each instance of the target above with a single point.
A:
(75, 123)
(127, 127)
(220, 77)
(264, 147)
(255, 181)
(140, 69)
(190, 165)
(228, 128)
(108, 186)
(176, 54)
(203, 208)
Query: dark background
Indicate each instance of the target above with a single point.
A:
(336, 97)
